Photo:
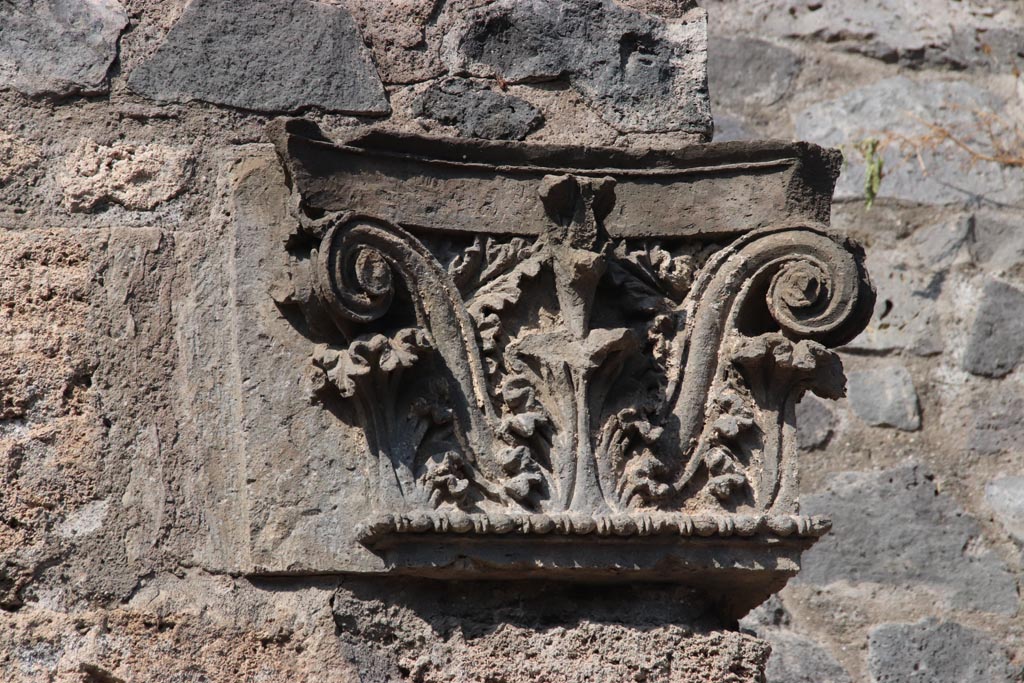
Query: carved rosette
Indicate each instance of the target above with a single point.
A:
(570, 381)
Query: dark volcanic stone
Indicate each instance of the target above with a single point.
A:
(477, 111)
(273, 55)
(934, 652)
(640, 72)
(59, 47)
(996, 345)
(894, 527)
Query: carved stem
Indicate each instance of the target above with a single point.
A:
(799, 280)
(358, 258)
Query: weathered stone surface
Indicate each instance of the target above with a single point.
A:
(193, 626)
(485, 636)
(729, 128)
(937, 247)
(59, 47)
(798, 659)
(746, 72)
(815, 422)
(795, 658)
(893, 527)
(994, 45)
(640, 72)
(404, 36)
(86, 385)
(997, 241)
(16, 155)
(906, 315)
(45, 351)
(898, 111)
(273, 56)
(477, 111)
(136, 176)
(937, 652)
(911, 33)
(791, 186)
(1005, 495)
(997, 420)
(884, 396)
(666, 8)
(996, 344)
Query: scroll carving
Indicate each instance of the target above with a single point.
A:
(575, 383)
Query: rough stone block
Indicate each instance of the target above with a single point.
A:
(16, 155)
(997, 420)
(815, 422)
(937, 652)
(530, 637)
(798, 659)
(642, 73)
(1005, 496)
(996, 344)
(746, 72)
(884, 396)
(274, 56)
(906, 316)
(894, 527)
(59, 47)
(997, 241)
(477, 111)
(899, 111)
(938, 246)
(795, 657)
(951, 35)
(404, 36)
(136, 176)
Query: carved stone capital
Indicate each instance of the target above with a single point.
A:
(573, 362)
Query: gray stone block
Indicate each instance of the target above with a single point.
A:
(476, 111)
(798, 659)
(952, 35)
(893, 527)
(996, 344)
(273, 56)
(997, 420)
(815, 422)
(906, 316)
(899, 111)
(942, 244)
(746, 72)
(884, 396)
(936, 652)
(642, 73)
(729, 128)
(59, 47)
(997, 240)
(1005, 496)
(795, 658)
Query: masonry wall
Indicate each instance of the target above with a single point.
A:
(124, 127)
